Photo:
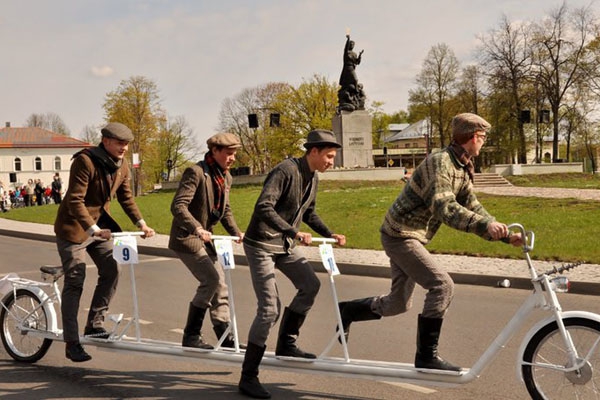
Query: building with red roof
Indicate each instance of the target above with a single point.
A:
(35, 153)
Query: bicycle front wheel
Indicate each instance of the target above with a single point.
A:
(22, 317)
(548, 354)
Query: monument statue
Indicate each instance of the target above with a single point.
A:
(351, 95)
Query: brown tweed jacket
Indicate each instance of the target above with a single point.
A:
(84, 200)
(191, 209)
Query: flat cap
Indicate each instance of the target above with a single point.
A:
(321, 138)
(116, 130)
(466, 124)
(227, 140)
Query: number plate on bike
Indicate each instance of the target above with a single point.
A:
(125, 250)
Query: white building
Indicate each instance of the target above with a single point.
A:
(35, 153)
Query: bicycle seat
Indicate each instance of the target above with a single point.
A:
(55, 270)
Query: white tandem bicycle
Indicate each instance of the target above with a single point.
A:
(559, 358)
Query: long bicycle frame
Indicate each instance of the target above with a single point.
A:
(542, 297)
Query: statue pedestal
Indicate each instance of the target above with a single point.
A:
(353, 131)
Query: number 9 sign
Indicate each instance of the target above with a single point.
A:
(125, 250)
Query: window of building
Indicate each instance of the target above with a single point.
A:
(38, 163)
(17, 164)
(57, 163)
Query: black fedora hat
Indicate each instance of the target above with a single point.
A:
(321, 138)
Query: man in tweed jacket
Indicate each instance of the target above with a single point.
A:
(83, 224)
(439, 191)
(287, 199)
(201, 202)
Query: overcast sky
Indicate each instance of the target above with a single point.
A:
(64, 56)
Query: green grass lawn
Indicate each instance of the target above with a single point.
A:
(562, 226)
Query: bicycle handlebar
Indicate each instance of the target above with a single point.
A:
(528, 236)
(323, 240)
(216, 237)
(121, 234)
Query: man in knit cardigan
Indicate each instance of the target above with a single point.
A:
(439, 191)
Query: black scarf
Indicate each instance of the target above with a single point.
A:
(106, 165)
(463, 157)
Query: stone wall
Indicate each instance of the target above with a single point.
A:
(535, 169)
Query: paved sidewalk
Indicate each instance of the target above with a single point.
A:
(464, 269)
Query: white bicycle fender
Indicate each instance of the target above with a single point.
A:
(541, 324)
(5, 285)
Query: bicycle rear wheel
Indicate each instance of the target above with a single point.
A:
(546, 348)
(22, 316)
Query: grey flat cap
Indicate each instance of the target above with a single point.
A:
(321, 138)
(116, 130)
(227, 140)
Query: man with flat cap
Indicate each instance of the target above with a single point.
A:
(439, 191)
(200, 203)
(287, 199)
(84, 225)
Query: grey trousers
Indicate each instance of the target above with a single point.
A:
(262, 270)
(411, 263)
(72, 256)
(212, 292)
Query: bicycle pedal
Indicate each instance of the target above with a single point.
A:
(441, 371)
(116, 318)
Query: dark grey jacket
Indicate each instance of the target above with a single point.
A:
(191, 209)
(282, 206)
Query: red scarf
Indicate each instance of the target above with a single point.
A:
(218, 178)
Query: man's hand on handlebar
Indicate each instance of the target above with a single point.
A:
(203, 234)
(340, 239)
(516, 239)
(304, 238)
(148, 232)
(102, 234)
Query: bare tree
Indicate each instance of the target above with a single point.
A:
(506, 54)
(50, 121)
(177, 145)
(90, 134)
(561, 43)
(436, 87)
(308, 106)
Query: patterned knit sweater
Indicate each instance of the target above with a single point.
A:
(439, 191)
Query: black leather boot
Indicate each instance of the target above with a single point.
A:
(355, 310)
(192, 335)
(289, 329)
(249, 383)
(229, 342)
(428, 335)
(75, 352)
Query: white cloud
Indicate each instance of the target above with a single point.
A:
(102, 72)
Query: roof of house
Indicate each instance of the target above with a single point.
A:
(416, 130)
(31, 137)
(397, 127)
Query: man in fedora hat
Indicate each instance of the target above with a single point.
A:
(83, 225)
(439, 191)
(200, 203)
(287, 199)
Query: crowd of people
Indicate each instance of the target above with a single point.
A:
(440, 191)
(33, 193)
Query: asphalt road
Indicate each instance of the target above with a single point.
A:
(165, 288)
